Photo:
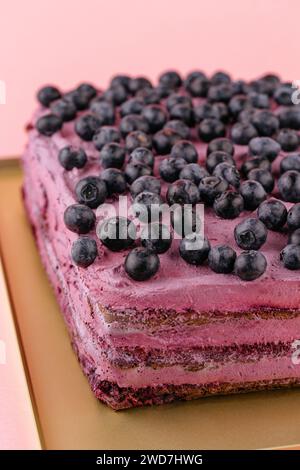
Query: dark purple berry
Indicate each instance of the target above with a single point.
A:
(186, 150)
(288, 139)
(49, 124)
(170, 79)
(72, 157)
(137, 139)
(141, 264)
(294, 238)
(241, 134)
(48, 94)
(293, 217)
(221, 259)
(133, 122)
(194, 249)
(253, 194)
(210, 188)
(250, 234)
(142, 155)
(104, 111)
(106, 135)
(79, 218)
(156, 238)
(186, 220)
(289, 186)
(255, 162)
(155, 116)
(264, 147)
(170, 168)
(112, 155)
(290, 162)
(86, 126)
(64, 109)
(117, 233)
(210, 129)
(134, 171)
(145, 183)
(193, 172)
(147, 206)
(214, 158)
(250, 265)
(115, 181)
(132, 106)
(290, 256)
(91, 191)
(229, 205)
(272, 213)
(264, 177)
(178, 127)
(222, 144)
(265, 122)
(84, 251)
(182, 192)
(229, 173)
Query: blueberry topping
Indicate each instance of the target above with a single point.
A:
(91, 191)
(137, 139)
(106, 135)
(221, 259)
(220, 77)
(82, 96)
(123, 80)
(229, 205)
(132, 106)
(290, 256)
(87, 89)
(229, 173)
(210, 188)
(115, 181)
(237, 104)
(150, 95)
(72, 157)
(273, 214)
(145, 183)
(134, 171)
(156, 238)
(141, 264)
(104, 111)
(264, 147)
(86, 126)
(264, 177)
(182, 192)
(48, 94)
(290, 162)
(217, 111)
(186, 150)
(117, 94)
(49, 124)
(133, 122)
(79, 218)
(289, 186)
(112, 155)
(288, 139)
(265, 122)
(250, 265)
(255, 162)
(294, 238)
(142, 155)
(283, 95)
(222, 144)
(259, 100)
(170, 168)
(170, 79)
(253, 194)
(210, 129)
(84, 251)
(197, 84)
(147, 206)
(250, 234)
(222, 92)
(193, 172)
(290, 117)
(241, 133)
(194, 249)
(185, 220)
(155, 116)
(293, 217)
(64, 109)
(117, 233)
(179, 128)
(183, 113)
(138, 83)
(214, 158)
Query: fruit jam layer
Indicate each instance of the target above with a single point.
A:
(177, 286)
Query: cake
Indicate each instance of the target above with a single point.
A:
(155, 319)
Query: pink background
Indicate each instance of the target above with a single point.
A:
(66, 41)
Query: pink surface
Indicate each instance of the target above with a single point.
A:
(66, 41)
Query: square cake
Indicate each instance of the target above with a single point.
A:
(198, 305)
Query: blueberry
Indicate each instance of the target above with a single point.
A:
(72, 157)
(194, 74)
(84, 251)
(183, 113)
(155, 116)
(141, 264)
(213, 159)
(264, 147)
(178, 127)
(106, 135)
(133, 122)
(240, 87)
(175, 98)
(229, 205)
(250, 265)
(293, 217)
(260, 86)
(150, 95)
(142, 155)
(185, 220)
(115, 181)
(170, 168)
(220, 111)
(137, 139)
(259, 100)
(123, 80)
(112, 155)
(147, 206)
(223, 144)
(48, 94)
(253, 194)
(237, 104)
(290, 117)
(87, 89)
(246, 115)
(210, 129)
(288, 139)
(170, 79)
(134, 171)
(116, 94)
(210, 111)
(138, 83)
(265, 122)
(64, 109)
(145, 183)
(228, 172)
(271, 82)
(186, 150)
(194, 249)
(79, 218)
(241, 133)
(156, 238)
(294, 238)
(250, 234)
(91, 191)
(220, 77)
(163, 91)
(222, 92)
(211, 187)
(117, 233)
(49, 124)
(289, 186)
(193, 172)
(86, 126)
(104, 111)
(290, 256)
(272, 213)
(80, 99)
(283, 95)
(132, 106)
(264, 177)
(182, 192)
(256, 162)
(197, 85)
(221, 259)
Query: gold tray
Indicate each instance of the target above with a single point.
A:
(69, 415)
